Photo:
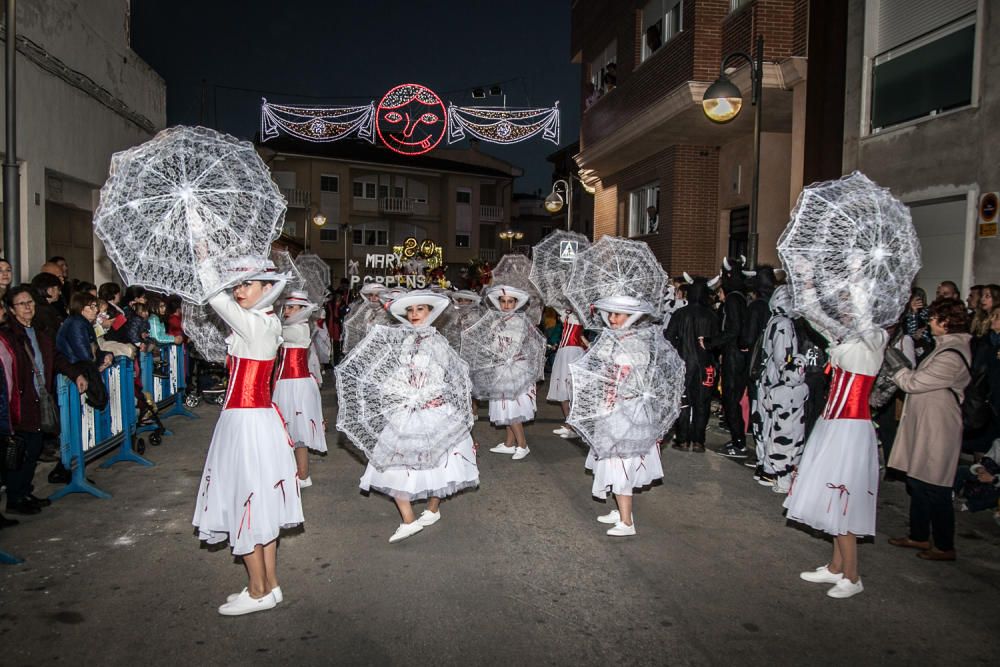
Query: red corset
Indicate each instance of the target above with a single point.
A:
(572, 335)
(848, 397)
(249, 383)
(294, 363)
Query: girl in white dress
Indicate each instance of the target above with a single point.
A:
(457, 470)
(511, 413)
(296, 391)
(248, 490)
(621, 475)
(572, 345)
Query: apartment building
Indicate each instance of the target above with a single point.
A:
(666, 174)
(370, 200)
(921, 112)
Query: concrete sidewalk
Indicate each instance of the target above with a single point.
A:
(518, 571)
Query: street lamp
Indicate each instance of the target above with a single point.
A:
(722, 102)
(509, 236)
(556, 199)
(318, 219)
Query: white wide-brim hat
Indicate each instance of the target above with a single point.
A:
(467, 295)
(373, 288)
(628, 305)
(438, 304)
(267, 272)
(498, 291)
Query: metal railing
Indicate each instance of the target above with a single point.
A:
(491, 213)
(396, 205)
(297, 198)
(489, 255)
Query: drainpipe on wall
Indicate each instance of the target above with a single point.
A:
(11, 175)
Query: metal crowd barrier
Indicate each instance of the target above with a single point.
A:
(167, 393)
(86, 433)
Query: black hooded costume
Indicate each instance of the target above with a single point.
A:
(731, 344)
(688, 324)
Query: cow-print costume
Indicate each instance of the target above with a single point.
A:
(778, 421)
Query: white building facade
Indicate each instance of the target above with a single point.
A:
(82, 95)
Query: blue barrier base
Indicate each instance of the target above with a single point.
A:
(126, 453)
(79, 484)
(178, 408)
(7, 559)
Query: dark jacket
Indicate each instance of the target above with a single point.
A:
(76, 339)
(30, 419)
(136, 328)
(47, 318)
(6, 427)
(734, 317)
(986, 359)
(687, 324)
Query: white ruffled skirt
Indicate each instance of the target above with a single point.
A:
(458, 470)
(302, 409)
(836, 487)
(248, 490)
(621, 475)
(561, 382)
(504, 411)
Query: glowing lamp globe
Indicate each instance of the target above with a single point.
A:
(553, 203)
(319, 219)
(722, 101)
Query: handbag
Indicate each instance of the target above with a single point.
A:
(48, 416)
(11, 453)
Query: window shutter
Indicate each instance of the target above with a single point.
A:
(900, 21)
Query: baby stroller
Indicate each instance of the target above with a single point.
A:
(147, 420)
(208, 381)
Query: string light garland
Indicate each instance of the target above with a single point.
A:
(411, 120)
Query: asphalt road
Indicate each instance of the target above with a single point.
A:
(517, 572)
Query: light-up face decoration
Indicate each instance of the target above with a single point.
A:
(411, 119)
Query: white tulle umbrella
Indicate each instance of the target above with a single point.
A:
(362, 317)
(551, 261)
(515, 270)
(285, 264)
(851, 253)
(505, 353)
(186, 211)
(626, 391)
(316, 274)
(614, 267)
(404, 397)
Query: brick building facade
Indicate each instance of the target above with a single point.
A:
(663, 172)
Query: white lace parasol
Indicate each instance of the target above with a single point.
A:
(185, 211)
(614, 267)
(626, 391)
(515, 270)
(359, 321)
(851, 253)
(316, 273)
(460, 318)
(505, 353)
(206, 331)
(404, 397)
(551, 261)
(285, 264)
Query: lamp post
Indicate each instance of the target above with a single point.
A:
(509, 236)
(318, 219)
(554, 202)
(722, 102)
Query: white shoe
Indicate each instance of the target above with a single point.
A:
(428, 518)
(405, 530)
(503, 449)
(570, 435)
(520, 453)
(276, 592)
(306, 483)
(821, 575)
(562, 430)
(244, 604)
(845, 588)
(611, 517)
(621, 530)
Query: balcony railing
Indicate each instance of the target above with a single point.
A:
(490, 255)
(296, 198)
(491, 213)
(396, 205)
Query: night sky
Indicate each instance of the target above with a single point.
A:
(349, 52)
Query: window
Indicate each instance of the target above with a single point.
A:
(925, 76)
(383, 191)
(370, 237)
(461, 240)
(463, 196)
(661, 22)
(329, 183)
(604, 72)
(364, 189)
(328, 235)
(644, 210)
(736, 4)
